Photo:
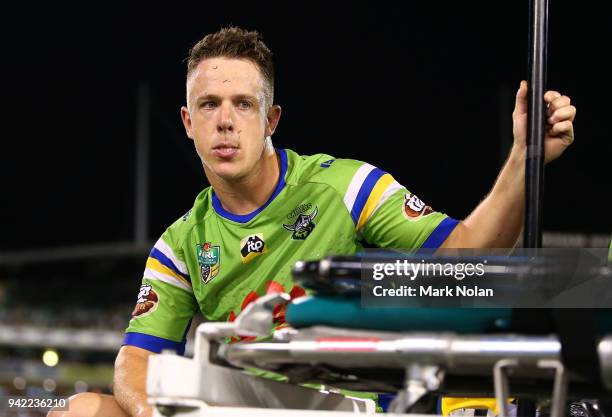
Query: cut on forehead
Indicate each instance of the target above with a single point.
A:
(235, 67)
(210, 72)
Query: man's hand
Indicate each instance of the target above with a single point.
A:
(559, 123)
(497, 221)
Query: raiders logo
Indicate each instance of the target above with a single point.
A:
(414, 208)
(303, 226)
(146, 303)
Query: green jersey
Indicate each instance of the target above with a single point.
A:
(216, 262)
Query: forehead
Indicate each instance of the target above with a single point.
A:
(225, 75)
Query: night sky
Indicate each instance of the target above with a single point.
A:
(424, 91)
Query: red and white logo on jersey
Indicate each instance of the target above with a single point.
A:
(414, 208)
(147, 301)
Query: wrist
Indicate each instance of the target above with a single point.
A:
(518, 154)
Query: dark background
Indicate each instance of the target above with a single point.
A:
(424, 91)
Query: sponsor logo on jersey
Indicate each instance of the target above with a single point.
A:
(327, 163)
(251, 247)
(146, 303)
(303, 225)
(209, 259)
(414, 208)
(299, 210)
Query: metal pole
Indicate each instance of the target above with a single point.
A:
(141, 192)
(536, 123)
(534, 164)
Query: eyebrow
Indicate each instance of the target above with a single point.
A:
(234, 97)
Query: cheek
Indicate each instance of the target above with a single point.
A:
(204, 124)
(202, 143)
(199, 149)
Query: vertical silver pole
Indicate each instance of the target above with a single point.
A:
(536, 123)
(141, 193)
(534, 163)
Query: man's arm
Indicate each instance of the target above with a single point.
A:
(130, 381)
(497, 220)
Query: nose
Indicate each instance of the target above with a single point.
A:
(226, 119)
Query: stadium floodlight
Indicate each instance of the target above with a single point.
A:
(50, 357)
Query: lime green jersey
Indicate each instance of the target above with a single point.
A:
(216, 262)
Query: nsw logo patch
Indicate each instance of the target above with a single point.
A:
(414, 208)
(146, 303)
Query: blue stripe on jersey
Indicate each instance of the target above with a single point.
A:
(440, 233)
(164, 260)
(364, 192)
(153, 343)
(243, 218)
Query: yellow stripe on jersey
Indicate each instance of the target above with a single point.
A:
(155, 265)
(374, 198)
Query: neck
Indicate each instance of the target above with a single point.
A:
(245, 195)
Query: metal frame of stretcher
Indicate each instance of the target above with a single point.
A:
(214, 383)
(201, 387)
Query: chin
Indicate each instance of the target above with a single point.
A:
(228, 173)
(231, 170)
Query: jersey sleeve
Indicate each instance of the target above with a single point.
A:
(387, 215)
(165, 303)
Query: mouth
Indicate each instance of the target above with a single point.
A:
(226, 150)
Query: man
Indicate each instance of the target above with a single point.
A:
(267, 208)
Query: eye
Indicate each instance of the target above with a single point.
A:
(244, 104)
(208, 105)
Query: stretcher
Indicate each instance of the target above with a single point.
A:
(417, 354)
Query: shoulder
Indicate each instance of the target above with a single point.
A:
(303, 167)
(179, 231)
(322, 168)
(346, 176)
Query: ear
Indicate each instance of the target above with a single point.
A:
(186, 118)
(274, 114)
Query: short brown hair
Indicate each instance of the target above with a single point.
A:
(234, 42)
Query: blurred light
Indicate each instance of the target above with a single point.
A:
(19, 382)
(80, 386)
(49, 384)
(50, 357)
